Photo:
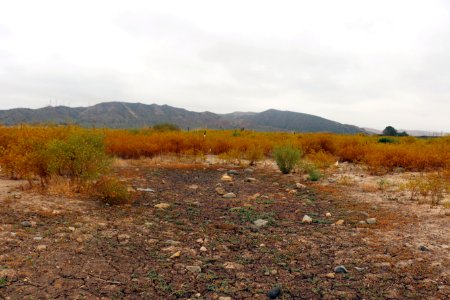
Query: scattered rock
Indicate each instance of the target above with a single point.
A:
(226, 178)
(229, 195)
(274, 293)
(328, 214)
(203, 249)
(193, 187)
(330, 275)
(275, 184)
(254, 197)
(71, 228)
(232, 266)
(200, 241)
(123, 238)
(220, 190)
(260, 222)
(339, 222)
(362, 222)
(225, 298)
(162, 205)
(176, 254)
(307, 219)
(26, 224)
(423, 248)
(232, 172)
(371, 221)
(194, 269)
(300, 186)
(359, 269)
(250, 179)
(38, 238)
(148, 190)
(41, 247)
(249, 170)
(383, 265)
(340, 270)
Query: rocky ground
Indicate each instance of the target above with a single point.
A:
(194, 233)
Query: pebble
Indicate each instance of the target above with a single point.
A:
(328, 214)
(300, 186)
(423, 248)
(194, 269)
(229, 195)
(307, 219)
(226, 178)
(225, 298)
(26, 224)
(149, 190)
(233, 266)
(260, 222)
(250, 179)
(359, 269)
(203, 249)
(329, 275)
(233, 172)
(41, 247)
(362, 222)
(371, 221)
(162, 205)
(339, 222)
(340, 270)
(193, 187)
(274, 293)
(249, 170)
(176, 254)
(220, 190)
(123, 238)
(200, 241)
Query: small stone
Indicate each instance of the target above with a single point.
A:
(233, 172)
(176, 254)
(194, 269)
(229, 195)
(200, 241)
(249, 170)
(225, 298)
(260, 222)
(197, 295)
(330, 275)
(220, 190)
(148, 190)
(71, 229)
(300, 186)
(38, 238)
(41, 247)
(123, 238)
(226, 178)
(328, 214)
(340, 270)
(254, 196)
(274, 293)
(203, 249)
(193, 187)
(362, 222)
(339, 222)
(250, 179)
(371, 221)
(233, 266)
(275, 184)
(307, 219)
(162, 205)
(26, 224)
(80, 239)
(359, 269)
(273, 272)
(423, 248)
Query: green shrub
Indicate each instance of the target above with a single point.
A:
(80, 157)
(286, 158)
(386, 140)
(111, 191)
(314, 174)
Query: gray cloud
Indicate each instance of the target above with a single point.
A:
(369, 66)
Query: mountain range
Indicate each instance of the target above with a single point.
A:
(135, 115)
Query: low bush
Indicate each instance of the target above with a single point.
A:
(111, 191)
(286, 158)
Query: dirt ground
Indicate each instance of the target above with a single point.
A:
(199, 245)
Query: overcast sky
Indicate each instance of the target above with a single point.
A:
(367, 63)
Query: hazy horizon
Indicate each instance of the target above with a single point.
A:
(369, 64)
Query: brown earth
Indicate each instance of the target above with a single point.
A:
(205, 247)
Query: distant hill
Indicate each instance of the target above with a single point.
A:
(134, 115)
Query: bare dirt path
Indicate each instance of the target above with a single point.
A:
(204, 246)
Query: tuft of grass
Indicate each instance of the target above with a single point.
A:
(111, 191)
(286, 158)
